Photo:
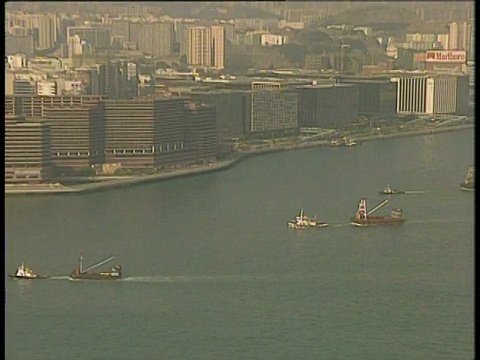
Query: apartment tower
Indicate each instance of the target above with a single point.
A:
(206, 46)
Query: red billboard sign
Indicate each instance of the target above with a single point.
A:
(452, 56)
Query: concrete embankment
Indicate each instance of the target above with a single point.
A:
(427, 131)
(118, 182)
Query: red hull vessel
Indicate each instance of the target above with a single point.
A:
(79, 273)
(364, 218)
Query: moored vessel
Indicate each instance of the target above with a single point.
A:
(79, 273)
(387, 190)
(24, 272)
(343, 141)
(469, 183)
(302, 221)
(364, 218)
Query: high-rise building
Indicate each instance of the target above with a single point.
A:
(199, 46)
(230, 111)
(46, 24)
(155, 38)
(327, 106)
(411, 93)
(43, 27)
(443, 40)
(27, 151)
(116, 80)
(9, 79)
(146, 133)
(273, 109)
(460, 36)
(90, 79)
(218, 47)
(97, 37)
(206, 46)
(463, 96)
(453, 36)
(13, 105)
(432, 94)
(181, 37)
(471, 52)
(120, 27)
(33, 107)
(23, 87)
(441, 95)
(171, 147)
(375, 97)
(74, 46)
(15, 44)
(201, 131)
(465, 36)
(76, 135)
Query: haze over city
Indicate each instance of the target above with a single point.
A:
(112, 59)
(239, 180)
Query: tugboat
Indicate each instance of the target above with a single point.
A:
(387, 190)
(469, 183)
(24, 272)
(302, 222)
(79, 273)
(364, 218)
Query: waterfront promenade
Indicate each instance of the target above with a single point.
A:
(102, 183)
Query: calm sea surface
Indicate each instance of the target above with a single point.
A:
(213, 272)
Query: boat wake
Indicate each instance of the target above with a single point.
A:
(340, 225)
(417, 191)
(59, 277)
(208, 278)
(440, 221)
(185, 279)
(156, 279)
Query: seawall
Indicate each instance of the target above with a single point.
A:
(119, 182)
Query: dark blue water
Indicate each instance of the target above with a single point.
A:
(212, 272)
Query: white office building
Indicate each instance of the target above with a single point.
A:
(429, 94)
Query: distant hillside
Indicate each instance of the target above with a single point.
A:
(373, 16)
(427, 28)
(235, 12)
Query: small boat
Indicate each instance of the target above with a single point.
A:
(349, 142)
(364, 218)
(79, 273)
(387, 190)
(343, 141)
(24, 272)
(302, 221)
(469, 183)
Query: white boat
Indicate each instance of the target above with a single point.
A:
(302, 221)
(387, 190)
(24, 272)
(349, 143)
(469, 183)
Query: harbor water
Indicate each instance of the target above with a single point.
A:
(211, 270)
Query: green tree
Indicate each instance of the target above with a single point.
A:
(308, 37)
(183, 62)
(294, 53)
(161, 65)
